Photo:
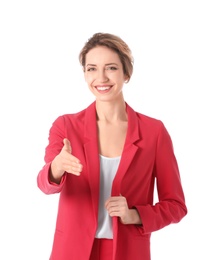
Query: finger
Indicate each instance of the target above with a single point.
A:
(67, 146)
(111, 204)
(69, 158)
(115, 199)
(75, 169)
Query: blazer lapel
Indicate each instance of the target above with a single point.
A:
(130, 149)
(92, 154)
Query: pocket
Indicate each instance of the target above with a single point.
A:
(135, 232)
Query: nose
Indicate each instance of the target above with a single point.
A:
(102, 76)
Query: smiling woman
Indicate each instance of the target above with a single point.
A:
(104, 73)
(104, 161)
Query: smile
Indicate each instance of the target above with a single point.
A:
(103, 88)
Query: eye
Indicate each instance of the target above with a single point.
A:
(91, 69)
(111, 68)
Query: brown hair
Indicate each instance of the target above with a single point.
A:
(114, 43)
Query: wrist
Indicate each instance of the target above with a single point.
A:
(134, 216)
(55, 176)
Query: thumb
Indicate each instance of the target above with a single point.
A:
(67, 146)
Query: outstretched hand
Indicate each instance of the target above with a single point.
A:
(65, 162)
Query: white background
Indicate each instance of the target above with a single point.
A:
(178, 78)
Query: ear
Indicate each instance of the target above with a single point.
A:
(126, 79)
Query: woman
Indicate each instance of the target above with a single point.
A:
(104, 161)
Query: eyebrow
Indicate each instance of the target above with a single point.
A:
(107, 64)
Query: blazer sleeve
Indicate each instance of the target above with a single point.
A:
(171, 207)
(55, 144)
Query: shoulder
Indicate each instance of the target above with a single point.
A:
(77, 117)
(152, 125)
(145, 119)
(148, 119)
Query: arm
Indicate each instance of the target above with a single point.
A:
(171, 207)
(59, 160)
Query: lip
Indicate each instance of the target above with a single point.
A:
(103, 88)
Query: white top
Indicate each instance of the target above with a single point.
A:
(108, 169)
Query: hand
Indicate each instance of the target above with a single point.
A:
(65, 161)
(118, 207)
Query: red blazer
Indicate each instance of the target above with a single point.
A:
(147, 155)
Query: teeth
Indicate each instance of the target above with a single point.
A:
(102, 88)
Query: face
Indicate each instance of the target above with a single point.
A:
(104, 74)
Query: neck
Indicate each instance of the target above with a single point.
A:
(111, 112)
